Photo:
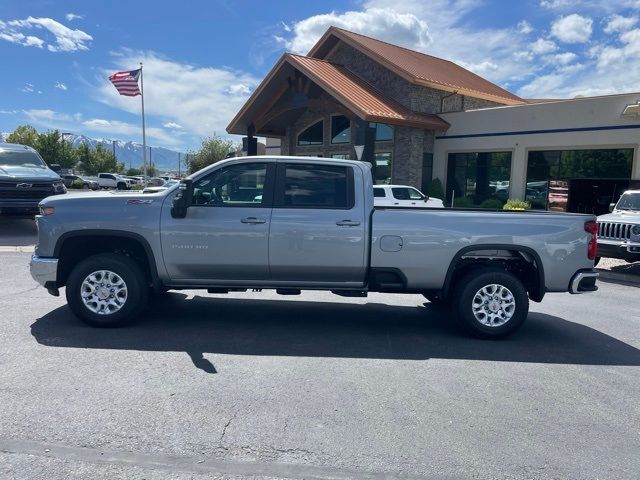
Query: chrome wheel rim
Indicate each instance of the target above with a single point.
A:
(103, 292)
(493, 305)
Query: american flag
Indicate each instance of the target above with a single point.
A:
(126, 82)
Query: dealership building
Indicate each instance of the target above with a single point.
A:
(416, 118)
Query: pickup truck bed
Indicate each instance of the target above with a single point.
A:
(296, 223)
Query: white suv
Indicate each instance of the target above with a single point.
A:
(403, 196)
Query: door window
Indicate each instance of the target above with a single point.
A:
(379, 193)
(241, 185)
(315, 186)
(404, 193)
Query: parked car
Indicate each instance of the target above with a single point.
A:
(403, 196)
(155, 182)
(87, 183)
(112, 180)
(161, 188)
(25, 180)
(619, 231)
(316, 227)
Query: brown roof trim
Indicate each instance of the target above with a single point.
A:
(346, 36)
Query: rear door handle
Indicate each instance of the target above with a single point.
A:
(253, 220)
(347, 223)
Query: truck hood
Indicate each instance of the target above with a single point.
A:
(621, 216)
(10, 172)
(111, 198)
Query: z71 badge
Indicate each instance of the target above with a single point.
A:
(139, 201)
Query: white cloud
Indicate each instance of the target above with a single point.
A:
(172, 125)
(564, 58)
(524, 27)
(555, 3)
(28, 88)
(73, 16)
(200, 99)
(572, 28)
(50, 118)
(60, 86)
(382, 23)
(66, 39)
(618, 23)
(542, 46)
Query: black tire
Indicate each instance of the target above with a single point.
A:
(121, 186)
(124, 267)
(465, 295)
(85, 186)
(435, 299)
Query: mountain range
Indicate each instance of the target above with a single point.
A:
(129, 153)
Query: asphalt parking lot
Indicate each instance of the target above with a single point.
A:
(316, 386)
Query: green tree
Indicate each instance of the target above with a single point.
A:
(54, 151)
(98, 160)
(24, 135)
(133, 172)
(435, 189)
(212, 150)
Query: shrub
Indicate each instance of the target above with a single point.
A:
(492, 203)
(435, 189)
(463, 202)
(516, 204)
(77, 183)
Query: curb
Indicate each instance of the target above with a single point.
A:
(616, 277)
(17, 249)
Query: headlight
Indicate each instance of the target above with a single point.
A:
(59, 188)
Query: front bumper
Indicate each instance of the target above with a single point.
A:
(584, 281)
(628, 250)
(45, 272)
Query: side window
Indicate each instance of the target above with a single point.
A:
(239, 185)
(379, 193)
(400, 193)
(102, 175)
(315, 186)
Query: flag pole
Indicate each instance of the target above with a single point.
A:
(144, 137)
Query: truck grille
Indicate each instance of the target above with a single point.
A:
(614, 231)
(36, 192)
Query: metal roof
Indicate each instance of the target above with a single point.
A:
(417, 67)
(361, 97)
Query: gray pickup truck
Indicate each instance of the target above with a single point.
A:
(290, 224)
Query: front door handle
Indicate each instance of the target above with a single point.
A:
(347, 223)
(253, 220)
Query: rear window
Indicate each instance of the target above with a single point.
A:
(378, 193)
(315, 186)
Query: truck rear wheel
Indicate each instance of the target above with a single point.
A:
(490, 303)
(107, 290)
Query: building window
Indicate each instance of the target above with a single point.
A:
(313, 135)
(382, 168)
(479, 179)
(427, 170)
(340, 156)
(384, 132)
(340, 129)
(574, 180)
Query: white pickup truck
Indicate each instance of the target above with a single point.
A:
(111, 180)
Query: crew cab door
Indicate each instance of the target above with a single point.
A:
(225, 234)
(318, 224)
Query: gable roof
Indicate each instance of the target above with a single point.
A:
(350, 90)
(417, 68)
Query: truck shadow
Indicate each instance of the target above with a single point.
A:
(314, 329)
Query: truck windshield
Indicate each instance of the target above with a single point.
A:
(20, 159)
(629, 201)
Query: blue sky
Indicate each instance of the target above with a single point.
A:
(203, 58)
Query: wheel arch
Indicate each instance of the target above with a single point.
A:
(106, 241)
(536, 288)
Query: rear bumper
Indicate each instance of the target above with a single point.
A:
(44, 271)
(584, 281)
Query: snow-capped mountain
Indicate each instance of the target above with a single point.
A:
(129, 153)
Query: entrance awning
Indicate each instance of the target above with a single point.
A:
(355, 94)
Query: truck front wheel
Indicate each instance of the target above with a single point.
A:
(490, 303)
(107, 290)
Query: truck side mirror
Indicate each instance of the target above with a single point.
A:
(611, 207)
(182, 200)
